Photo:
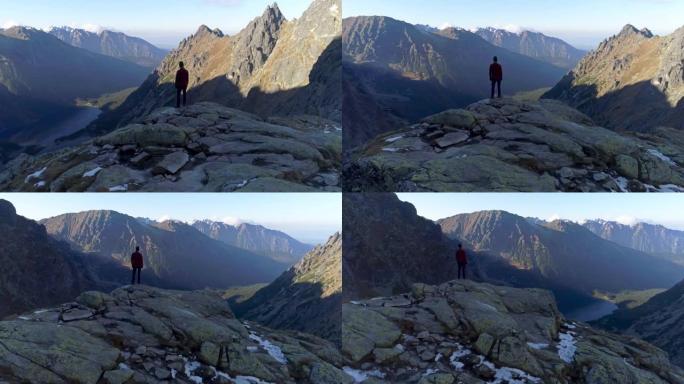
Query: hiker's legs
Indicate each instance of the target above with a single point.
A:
(460, 268)
(498, 84)
(178, 99)
(133, 277)
(493, 85)
(185, 97)
(139, 270)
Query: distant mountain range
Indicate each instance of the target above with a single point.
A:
(276, 245)
(633, 81)
(562, 251)
(114, 44)
(534, 44)
(273, 66)
(307, 297)
(41, 77)
(381, 258)
(176, 253)
(653, 239)
(408, 73)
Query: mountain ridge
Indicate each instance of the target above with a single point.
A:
(112, 43)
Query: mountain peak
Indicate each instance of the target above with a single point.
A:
(8, 213)
(629, 30)
(272, 12)
(203, 30)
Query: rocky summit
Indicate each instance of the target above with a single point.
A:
(145, 335)
(204, 147)
(511, 145)
(465, 332)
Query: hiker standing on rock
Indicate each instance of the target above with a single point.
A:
(136, 264)
(462, 261)
(496, 75)
(182, 81)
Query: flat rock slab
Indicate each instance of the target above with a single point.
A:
(172, 163)
(452, 139)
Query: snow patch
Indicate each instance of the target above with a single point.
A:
(92, 172)
(485, 305)
(119, 188)
(567, 347)
(190, 367)
(24, 318)
(124, 367)
(661, 156)
(430, 371)
(670, 188)
(438, 357)
(35, 175)
(361, 376)
(393, 139)
(537, 345)
(39, 184)
(513, 376)
(390, 149)
(459, 353)
(622, 183)
(273, 350)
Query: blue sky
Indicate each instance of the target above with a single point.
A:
(583, 23)
(164, 23)
(309, 217)
(664, 209)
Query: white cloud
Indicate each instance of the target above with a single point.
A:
(231, 220)
(627, 220)
(9, 24)
(554, 217)
(445, 26)
(164, 218)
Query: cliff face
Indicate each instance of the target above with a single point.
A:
(307, 297)
(35, 269)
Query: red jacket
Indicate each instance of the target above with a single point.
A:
(136, 260)
(495, 72)
(182, 79)
(461, 257)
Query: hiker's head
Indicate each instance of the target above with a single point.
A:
(460, 246)
(181, 64)
(137, 249)
(496, 59)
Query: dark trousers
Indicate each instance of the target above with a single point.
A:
(462, 268)
(133, 277)
(178, 96)
(495, 84)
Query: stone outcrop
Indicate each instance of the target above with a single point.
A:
(465, 332)
(146, 335)
(203, 147)
(510, 145)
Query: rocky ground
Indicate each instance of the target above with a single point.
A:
(510, 145)
(201, 148)
(146, 335)
(466, 332)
